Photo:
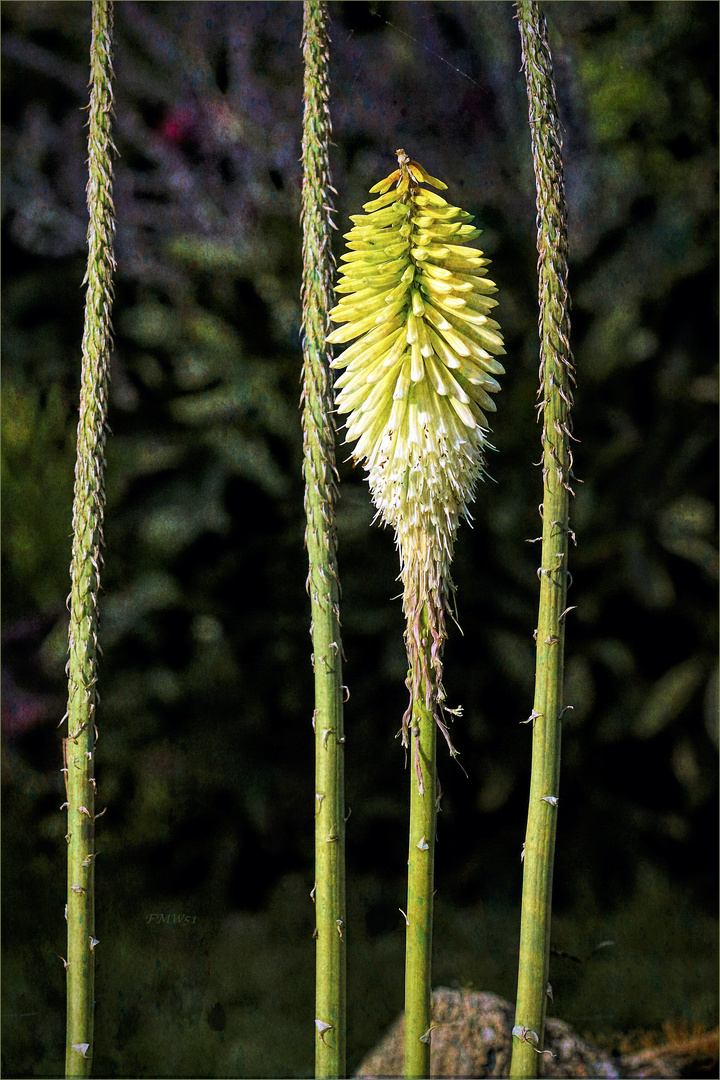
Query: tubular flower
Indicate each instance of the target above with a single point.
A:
(415, 301)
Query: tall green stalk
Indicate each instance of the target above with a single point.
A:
(88, 507)
(555, 395)
(421, 869)
(320, 494)
(417, 385)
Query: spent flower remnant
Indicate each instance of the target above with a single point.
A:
(418, 379)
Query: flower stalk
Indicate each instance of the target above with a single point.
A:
(320, 538)
(416, 386)
(421, 869)
(88, 512)
(555, 401)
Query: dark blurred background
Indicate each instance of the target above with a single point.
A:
(205, 755)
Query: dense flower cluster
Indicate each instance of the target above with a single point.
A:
(418, 380)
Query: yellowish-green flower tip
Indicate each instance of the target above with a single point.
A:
(415, 300)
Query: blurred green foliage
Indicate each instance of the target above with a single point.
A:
(205, 750)
(37, 442)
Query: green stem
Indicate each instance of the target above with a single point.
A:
(320, 493)
(88, 507)
(421, 863)
(556, 371)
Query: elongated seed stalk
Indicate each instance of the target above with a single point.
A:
(416, 385)
(320, 494)
(555, 398)
(88, 509)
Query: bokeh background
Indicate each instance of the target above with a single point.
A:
(205, 754)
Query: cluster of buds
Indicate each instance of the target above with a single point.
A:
(417, 381)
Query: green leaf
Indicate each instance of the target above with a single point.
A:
(668, 697)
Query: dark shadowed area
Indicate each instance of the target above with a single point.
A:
(205, 965)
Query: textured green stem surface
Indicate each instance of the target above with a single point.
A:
(556, 375)
(320, 494)
(421, 865)
(88, 507)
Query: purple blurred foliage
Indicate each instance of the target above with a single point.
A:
(22, 710)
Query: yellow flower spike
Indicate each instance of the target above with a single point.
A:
(414, 297)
